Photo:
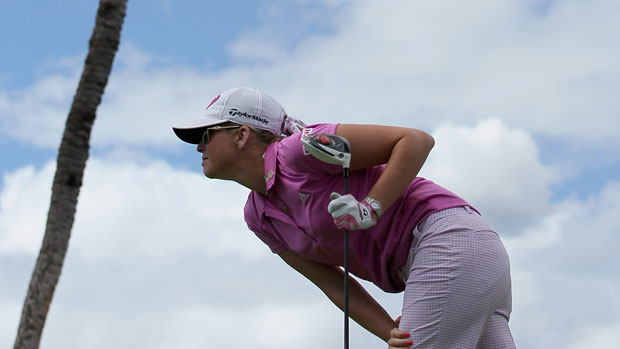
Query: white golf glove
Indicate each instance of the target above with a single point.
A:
(350, 214)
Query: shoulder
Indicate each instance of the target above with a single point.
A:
(293, 156)
(294, 141)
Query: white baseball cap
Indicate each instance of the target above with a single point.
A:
(242, 105)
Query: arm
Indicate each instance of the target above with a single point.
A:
(403, 149)
(363, 308)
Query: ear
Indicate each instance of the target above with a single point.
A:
(242, 137)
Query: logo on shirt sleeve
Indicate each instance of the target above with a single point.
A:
(305, 132)
(269, 175)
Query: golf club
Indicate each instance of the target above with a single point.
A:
(335, 150)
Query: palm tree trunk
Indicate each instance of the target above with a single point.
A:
(71, 162)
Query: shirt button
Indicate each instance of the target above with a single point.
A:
(284, 208)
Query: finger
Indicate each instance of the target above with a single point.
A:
(347, 199)
(399, 343)
(396, 333)
(334, 205)
(340, 211)
(397, 321)
(345, 222)
(338, 201)
(342, 225)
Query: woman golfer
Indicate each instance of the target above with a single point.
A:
(407, 233)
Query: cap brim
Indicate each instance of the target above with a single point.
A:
(191, 131)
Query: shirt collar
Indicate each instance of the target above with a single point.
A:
(270, 165)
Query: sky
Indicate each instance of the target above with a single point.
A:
(520, 96)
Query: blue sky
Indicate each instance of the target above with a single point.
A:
(183, 33)
(519, 95)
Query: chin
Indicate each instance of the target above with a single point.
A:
(213, 173)
(210, 174)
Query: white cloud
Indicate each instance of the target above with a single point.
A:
(264, 326)
(158, 211)
(24, 202)
(424, 63)
(122, 204)
(8, 322)
(36, 114)
(599, 336)
(494, 168)
(565, 280)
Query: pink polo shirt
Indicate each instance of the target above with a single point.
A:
(293, 214)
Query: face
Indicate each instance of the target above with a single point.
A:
(217, 149)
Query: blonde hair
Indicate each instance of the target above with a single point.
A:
(289, 126)
(265, 136)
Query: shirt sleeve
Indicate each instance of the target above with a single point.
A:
(253, 220)
(291, 153)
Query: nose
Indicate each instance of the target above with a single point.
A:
(200, 147)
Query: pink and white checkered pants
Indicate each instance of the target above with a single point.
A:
(458, 292)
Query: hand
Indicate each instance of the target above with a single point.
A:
(398, 338)
(350, 214)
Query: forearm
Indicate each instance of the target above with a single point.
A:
(329, 278)
(406, 160)
(364, 309)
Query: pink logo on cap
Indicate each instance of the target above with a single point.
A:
(213, 101)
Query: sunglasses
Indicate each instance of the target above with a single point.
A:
(205, 135)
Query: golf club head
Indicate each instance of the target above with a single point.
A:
(328, 148)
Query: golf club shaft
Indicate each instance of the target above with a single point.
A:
(335, 149)
(346, 269)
